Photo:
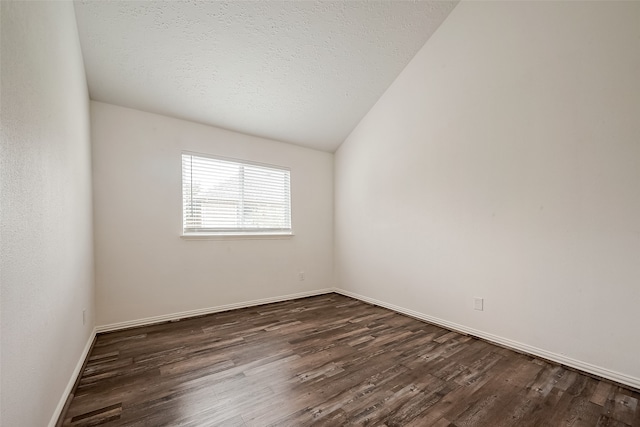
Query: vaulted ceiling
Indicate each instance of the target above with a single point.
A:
(297, 71)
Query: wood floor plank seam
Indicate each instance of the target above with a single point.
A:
(329, 360)
(597, 372)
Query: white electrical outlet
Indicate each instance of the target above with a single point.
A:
(478, 304)
(84, 316)
(301, 276)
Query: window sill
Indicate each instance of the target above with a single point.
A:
(236, 236)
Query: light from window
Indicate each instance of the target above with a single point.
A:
(221, 196)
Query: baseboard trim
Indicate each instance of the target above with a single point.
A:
(204, 311)
(64, 400)
(505, 342)
(56, 419)
(588, 368)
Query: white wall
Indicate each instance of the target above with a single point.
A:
(46, 254)
(144, 268)
(504, 163)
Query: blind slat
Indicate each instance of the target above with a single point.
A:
(227, 196)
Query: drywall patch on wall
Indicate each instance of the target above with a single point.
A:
(46, 255)
(503, 163)
(145, 269)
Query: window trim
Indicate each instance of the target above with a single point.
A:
(236, 236)
(249, 234)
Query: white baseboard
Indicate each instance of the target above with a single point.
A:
(534, 351)
(72, 380)
(163, 318)
(525, 348)
(209, 310)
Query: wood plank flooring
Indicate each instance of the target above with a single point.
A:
(329, 361)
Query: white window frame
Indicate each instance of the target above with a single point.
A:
(234, 233)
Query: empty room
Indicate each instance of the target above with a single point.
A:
(319, 213)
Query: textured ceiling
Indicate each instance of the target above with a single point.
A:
(296, 71)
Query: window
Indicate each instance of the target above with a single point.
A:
(223, 196)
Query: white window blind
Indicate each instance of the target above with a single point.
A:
(221, 196)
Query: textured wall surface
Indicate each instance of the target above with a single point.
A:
(46, 255)
(144, 268)
(504, 163)
(300, 71)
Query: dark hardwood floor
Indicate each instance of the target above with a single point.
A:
(329, 360)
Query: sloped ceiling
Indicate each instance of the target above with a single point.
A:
(297, 71)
